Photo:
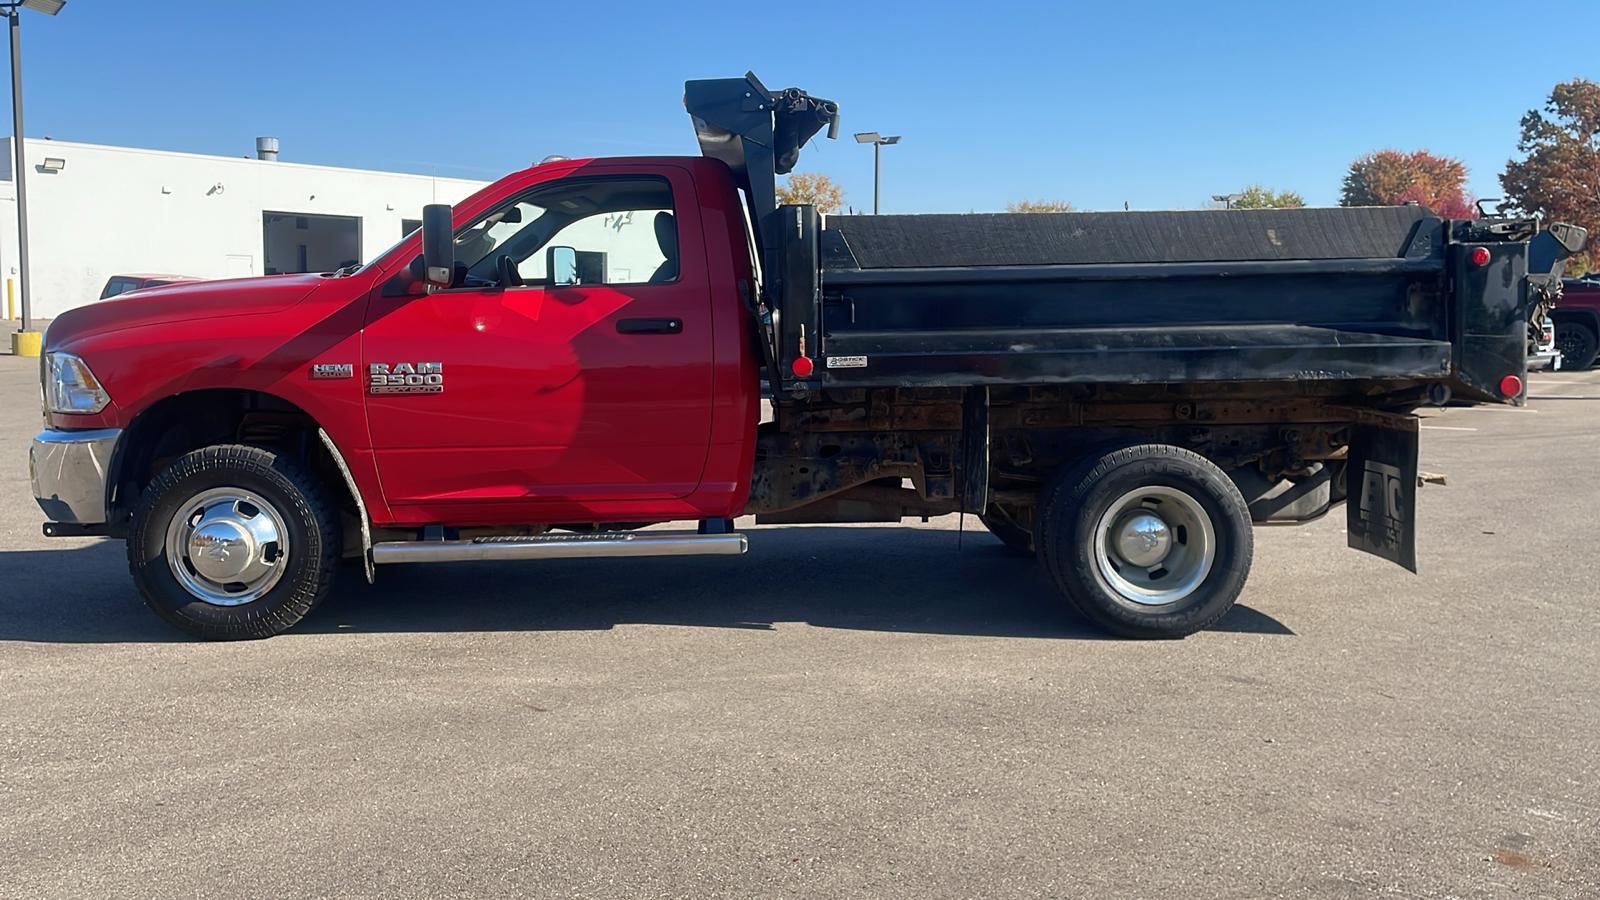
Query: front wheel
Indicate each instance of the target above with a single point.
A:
(1148, 541)
(232, 542)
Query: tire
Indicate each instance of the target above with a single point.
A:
(242, 499)
(1578, 345)
(1187, 546)
(1017, 539)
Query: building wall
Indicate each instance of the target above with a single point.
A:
(112, 210)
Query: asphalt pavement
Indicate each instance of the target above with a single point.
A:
(865, 711)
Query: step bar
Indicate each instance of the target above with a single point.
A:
(560, 546)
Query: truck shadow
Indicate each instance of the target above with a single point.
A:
(863, 578)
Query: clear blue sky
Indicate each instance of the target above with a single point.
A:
(1156, 104)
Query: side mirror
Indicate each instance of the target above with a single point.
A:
(438, 245)
(562, 264)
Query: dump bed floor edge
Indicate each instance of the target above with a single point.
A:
(1131, 356)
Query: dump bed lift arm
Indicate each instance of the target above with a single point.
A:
(758, 133)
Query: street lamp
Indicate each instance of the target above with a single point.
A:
(1227, 200)
(878, 142)
(49, 8)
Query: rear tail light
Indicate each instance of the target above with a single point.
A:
(1511, 386)
(1480, 256)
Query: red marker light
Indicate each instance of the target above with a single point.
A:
(1511, 386)
(1480, 256)
(803, 367)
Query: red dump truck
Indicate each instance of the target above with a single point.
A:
(581, 349)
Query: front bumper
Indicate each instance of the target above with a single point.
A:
(69, 471)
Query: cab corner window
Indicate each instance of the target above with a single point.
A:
(575, 232)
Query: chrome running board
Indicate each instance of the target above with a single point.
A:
(559, 546)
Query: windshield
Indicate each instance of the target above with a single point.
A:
(382, 256)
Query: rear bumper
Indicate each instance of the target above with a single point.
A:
(1545, 359)
(69, 470)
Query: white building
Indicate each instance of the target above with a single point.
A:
(96, 211)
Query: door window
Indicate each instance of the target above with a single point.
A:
(621, 232)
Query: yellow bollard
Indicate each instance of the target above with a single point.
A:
(26, 343)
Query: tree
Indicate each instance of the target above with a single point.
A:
(1457, 204)
(1560, 177)
(1257, 197)
(817, 190)
(1390, 177)
(1040, 206)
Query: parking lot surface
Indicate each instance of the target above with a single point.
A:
(869, 711)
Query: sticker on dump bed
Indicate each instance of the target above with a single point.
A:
(847, 362)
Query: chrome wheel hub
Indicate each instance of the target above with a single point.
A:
(1143, 539)
(1155, 545)
(227, 546)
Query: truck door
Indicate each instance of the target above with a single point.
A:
(568, 372)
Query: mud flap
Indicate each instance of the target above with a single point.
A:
(1382, 509)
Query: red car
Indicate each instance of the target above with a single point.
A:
(1577, 321)
(121, 284)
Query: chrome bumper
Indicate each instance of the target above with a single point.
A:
(69, 471)
(1545, 359)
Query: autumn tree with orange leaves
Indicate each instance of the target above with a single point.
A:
(1392, 177)
(1559, 178)
(816, 190)
(1040, 206)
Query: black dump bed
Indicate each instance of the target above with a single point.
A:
(1384, 298)
(1359, 295)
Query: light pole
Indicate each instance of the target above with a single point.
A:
(49, 8)
(878, 142)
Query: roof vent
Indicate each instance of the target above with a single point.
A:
(267, 148)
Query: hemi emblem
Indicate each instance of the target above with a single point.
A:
(405, 378)
(332, 370)
(847, 362)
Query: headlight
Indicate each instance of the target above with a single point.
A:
(71, 388)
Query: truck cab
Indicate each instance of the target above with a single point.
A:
(590, 341)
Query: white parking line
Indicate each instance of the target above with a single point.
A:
(1447, 428)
